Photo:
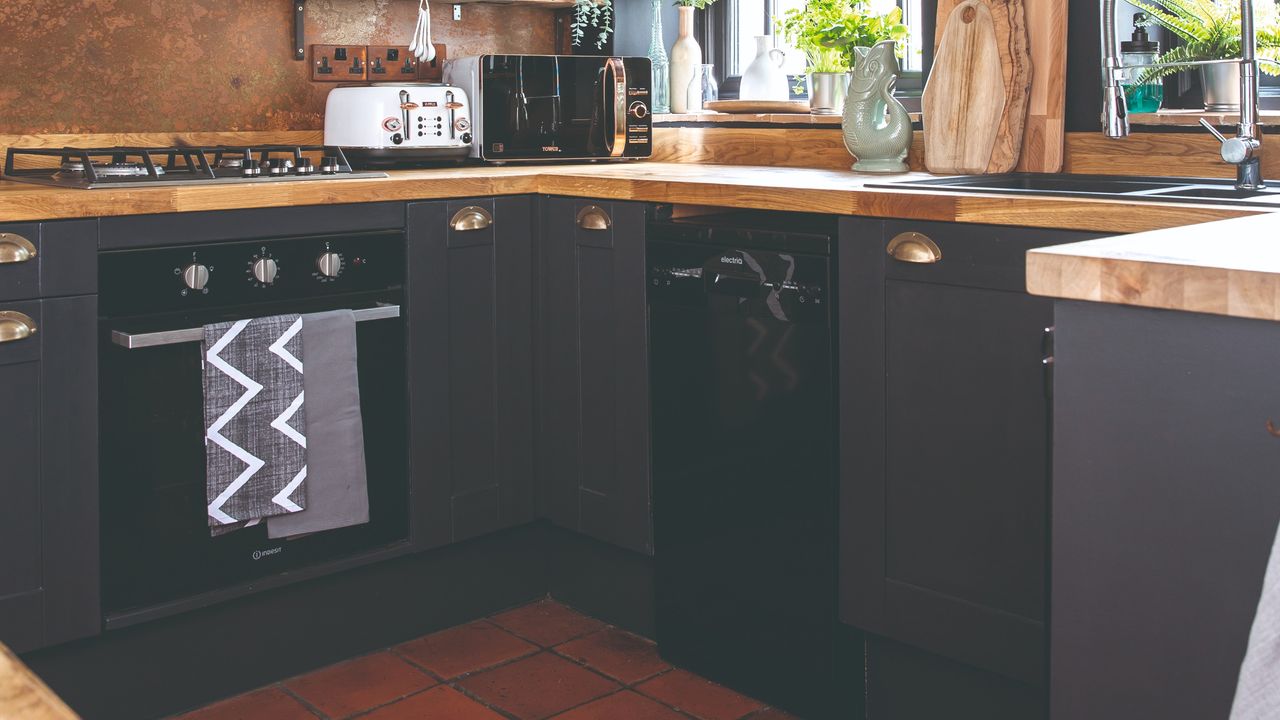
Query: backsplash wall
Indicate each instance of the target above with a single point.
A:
(118, 66)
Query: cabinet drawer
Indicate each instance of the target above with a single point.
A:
(984, 256)
(48, 259)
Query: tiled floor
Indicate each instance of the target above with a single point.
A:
(538, 661)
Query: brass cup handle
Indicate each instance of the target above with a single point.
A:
(15, 326)
(914, 247)
(593, 217)
(15, 249)
(471, 218)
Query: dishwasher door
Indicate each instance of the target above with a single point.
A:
(744, 482)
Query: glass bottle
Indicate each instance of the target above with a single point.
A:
(702, 89)
(1145, 97)
(660, 97)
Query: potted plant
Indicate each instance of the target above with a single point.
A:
(827, 31)
(686, 54)
(1210, 30)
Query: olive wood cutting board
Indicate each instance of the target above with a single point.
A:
(965, 97)
(1009, 24)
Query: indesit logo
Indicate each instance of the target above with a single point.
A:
(731, 260)
(259, 554)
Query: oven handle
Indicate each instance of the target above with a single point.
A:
(133, 341)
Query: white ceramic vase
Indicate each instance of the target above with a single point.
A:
(686, 58)
(763, 79)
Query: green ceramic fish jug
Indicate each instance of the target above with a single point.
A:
(877, 128)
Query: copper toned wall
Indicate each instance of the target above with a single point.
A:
(97, 66)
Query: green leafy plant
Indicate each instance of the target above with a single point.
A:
(1210, 30)
(696, 4)
(595, 15)
(827, 31)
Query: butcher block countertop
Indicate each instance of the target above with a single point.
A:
(1230, 267)
(769, 188)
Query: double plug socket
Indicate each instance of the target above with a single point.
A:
(372, 63)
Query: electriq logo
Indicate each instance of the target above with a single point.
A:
(730, 260)
(259, 554)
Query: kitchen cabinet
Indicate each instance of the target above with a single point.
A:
(1165, 505)
(593, 444)
(48, 435)
(944, 453)
(470, 325)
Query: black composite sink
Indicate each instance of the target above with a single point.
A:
(1095, 186)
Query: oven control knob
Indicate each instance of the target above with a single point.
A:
(196, 276)
(329, 264)
(265, 270)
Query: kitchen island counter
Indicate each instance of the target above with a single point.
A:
(1230, 268)
(757, 187)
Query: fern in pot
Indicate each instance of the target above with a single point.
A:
(827, 31)
(1210, 30)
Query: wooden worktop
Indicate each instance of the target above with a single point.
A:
(770, 188)
(1230, 267)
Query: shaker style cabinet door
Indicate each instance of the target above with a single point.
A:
(945, 441)
(470, 325)
(1166, 498)
(48, 472)
(593, 463)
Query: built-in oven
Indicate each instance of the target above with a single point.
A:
(557, 107)
(158, 555)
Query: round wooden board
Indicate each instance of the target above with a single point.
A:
(758, 106)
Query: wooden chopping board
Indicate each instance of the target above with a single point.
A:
(1043, 141)
(1013, 44)
(965, 97)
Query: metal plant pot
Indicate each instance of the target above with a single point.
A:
(827, 92)
(1221, 87)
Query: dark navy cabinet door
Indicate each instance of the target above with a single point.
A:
(470, 324)
(49, 474)
(593, 457)
(944, 401)
(1166, 499)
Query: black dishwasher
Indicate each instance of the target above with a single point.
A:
(744, 475)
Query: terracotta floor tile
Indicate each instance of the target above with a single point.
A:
(464, 649)
(438, 703)
(698, 697)
(619, 706)
(547, 622)
(345, 689)
(537, 687)
(265, 704)
(620, 655)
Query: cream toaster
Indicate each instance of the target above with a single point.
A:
(399, 123)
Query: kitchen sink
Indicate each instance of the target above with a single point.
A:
(1097, 186)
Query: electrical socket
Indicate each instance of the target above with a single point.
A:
(391, 62)
(434, 71)
(339, 63)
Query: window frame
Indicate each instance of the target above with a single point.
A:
(714, 33)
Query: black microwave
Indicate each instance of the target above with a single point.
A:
(556, 107)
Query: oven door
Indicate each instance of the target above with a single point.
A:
(156, 545)
(542, 107)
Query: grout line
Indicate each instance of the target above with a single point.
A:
(484, 703)
(371, 710)
(301, 701)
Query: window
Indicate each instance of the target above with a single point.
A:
(734, 24)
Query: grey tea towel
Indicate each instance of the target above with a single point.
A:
(1258, 688)
(255, 443)
(337, 488)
